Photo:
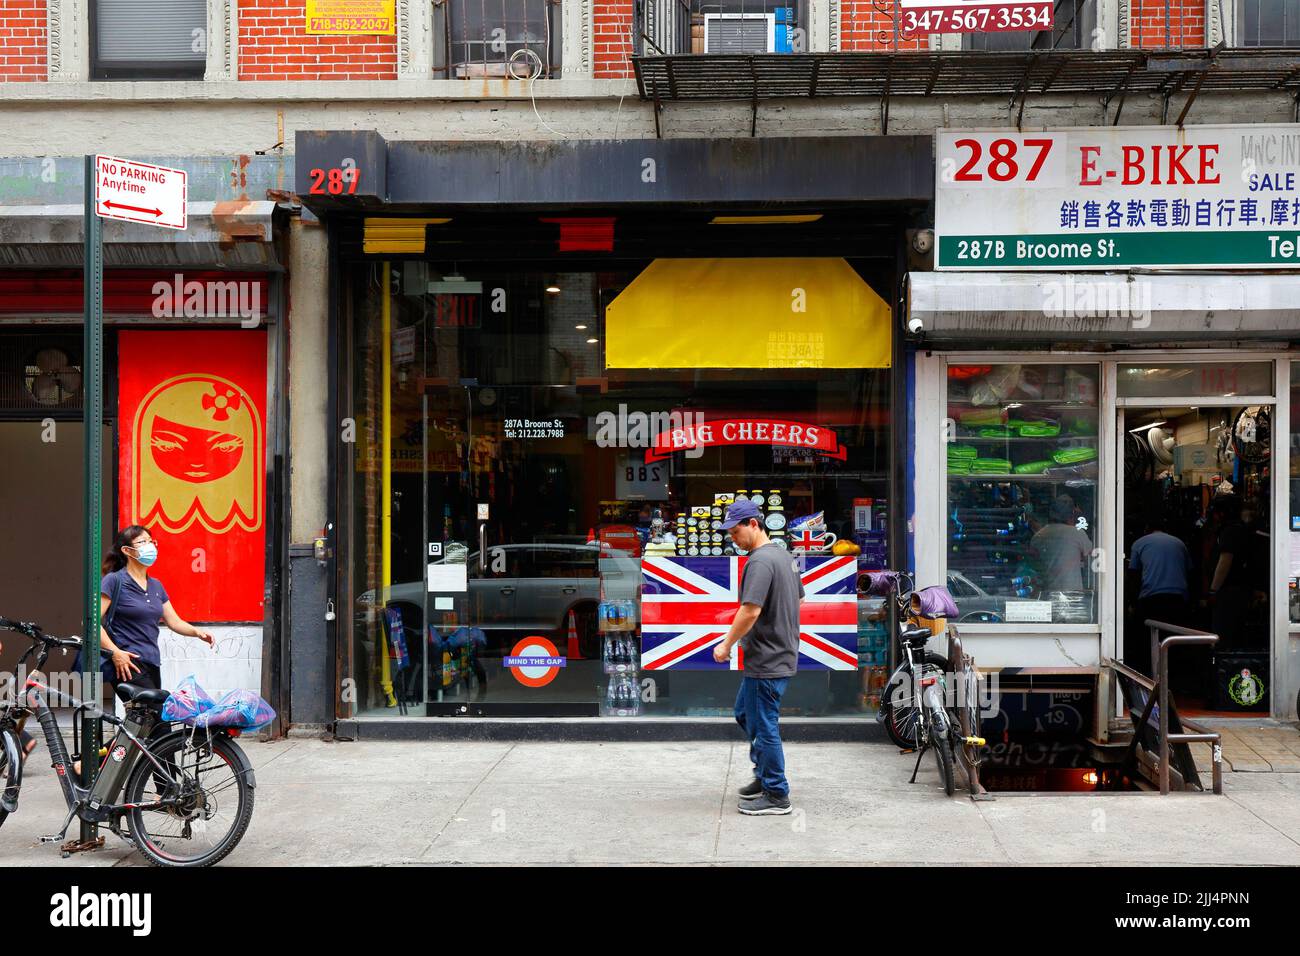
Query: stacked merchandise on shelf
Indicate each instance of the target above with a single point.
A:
(1024, 436)
(699, 531)
(620, 658)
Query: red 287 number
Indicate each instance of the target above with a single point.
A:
(334, 182)
(1001, 165)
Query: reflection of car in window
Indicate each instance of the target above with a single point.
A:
(976, 605)
(529, 589)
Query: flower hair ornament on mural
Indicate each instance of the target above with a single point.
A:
(197, 454)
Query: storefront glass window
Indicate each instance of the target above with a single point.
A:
(1022, 460)
(507, 564)
(1208, 379)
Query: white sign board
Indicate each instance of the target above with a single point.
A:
(1118, 197)
(448, 577)
(973, 16)
(1024, 612)
(140, 192)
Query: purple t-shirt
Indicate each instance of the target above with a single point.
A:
(134, 626)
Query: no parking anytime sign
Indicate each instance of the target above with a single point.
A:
(140, 192)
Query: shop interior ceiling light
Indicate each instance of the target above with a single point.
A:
(553, 289)
(581, 328)
(592, 341)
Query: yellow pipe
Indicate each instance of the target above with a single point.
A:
(386, 468)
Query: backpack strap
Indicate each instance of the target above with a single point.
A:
(114, 594)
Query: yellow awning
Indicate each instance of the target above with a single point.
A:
(747, 313)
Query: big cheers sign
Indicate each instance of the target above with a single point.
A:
(747, 431)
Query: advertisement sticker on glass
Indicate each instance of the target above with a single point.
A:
(453, 577)
(1029, 612)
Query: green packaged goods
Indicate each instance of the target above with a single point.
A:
(962, 451)
(981, 416)
(1033, 467)
(1039, 430)
(1073, 456)
(996, 431)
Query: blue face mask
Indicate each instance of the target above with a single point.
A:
(147, 554)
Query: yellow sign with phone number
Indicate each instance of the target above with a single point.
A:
(351, 17)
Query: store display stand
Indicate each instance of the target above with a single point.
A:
(620, 658)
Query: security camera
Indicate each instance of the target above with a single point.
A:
(923, 241)
(915, 325)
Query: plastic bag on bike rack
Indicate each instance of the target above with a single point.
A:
(186, 702)
(243, 709)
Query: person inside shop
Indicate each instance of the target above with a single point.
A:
(1062, 548)
(767, 626)
(1228, 594)
(1160, 564)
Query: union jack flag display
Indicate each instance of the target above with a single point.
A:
(687, 605)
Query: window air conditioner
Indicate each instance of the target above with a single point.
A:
(749, 32)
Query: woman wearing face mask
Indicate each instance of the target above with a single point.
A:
(130, 642)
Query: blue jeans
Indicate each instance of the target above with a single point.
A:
(758, 707)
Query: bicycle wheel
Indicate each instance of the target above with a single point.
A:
(213, 801)
(901, 702)
(4, 779)
(942, 746)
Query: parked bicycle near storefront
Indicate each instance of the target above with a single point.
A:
(181, 795)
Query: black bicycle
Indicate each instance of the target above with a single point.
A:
(914, 706)
(184, 795)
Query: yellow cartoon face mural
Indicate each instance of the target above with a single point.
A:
(198, 456)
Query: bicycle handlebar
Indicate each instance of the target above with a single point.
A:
(33, 630)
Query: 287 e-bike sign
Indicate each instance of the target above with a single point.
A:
(1109, 198)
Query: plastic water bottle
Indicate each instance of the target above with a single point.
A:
(611, 692)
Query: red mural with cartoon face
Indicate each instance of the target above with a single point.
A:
(192, 464)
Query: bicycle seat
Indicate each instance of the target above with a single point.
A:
(144, 696)
(915, 635)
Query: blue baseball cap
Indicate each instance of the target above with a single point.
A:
(742, 510)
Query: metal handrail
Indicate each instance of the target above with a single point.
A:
(1160, 651)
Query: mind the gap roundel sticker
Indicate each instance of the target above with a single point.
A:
(535, 661)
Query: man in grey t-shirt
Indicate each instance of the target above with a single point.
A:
(767, 627)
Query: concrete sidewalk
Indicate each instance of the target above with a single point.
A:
(654, 803)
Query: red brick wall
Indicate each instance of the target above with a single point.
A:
(1147, 26)
(274, 45)
(864, 27)
(611, 22)
(22, 40)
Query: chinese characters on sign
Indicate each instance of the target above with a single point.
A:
(1112, 198)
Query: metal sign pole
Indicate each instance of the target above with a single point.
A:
(92, 377)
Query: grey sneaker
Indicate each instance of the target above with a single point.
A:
(751, 790)
(766, 805)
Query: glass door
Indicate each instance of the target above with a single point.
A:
(1195, 527)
